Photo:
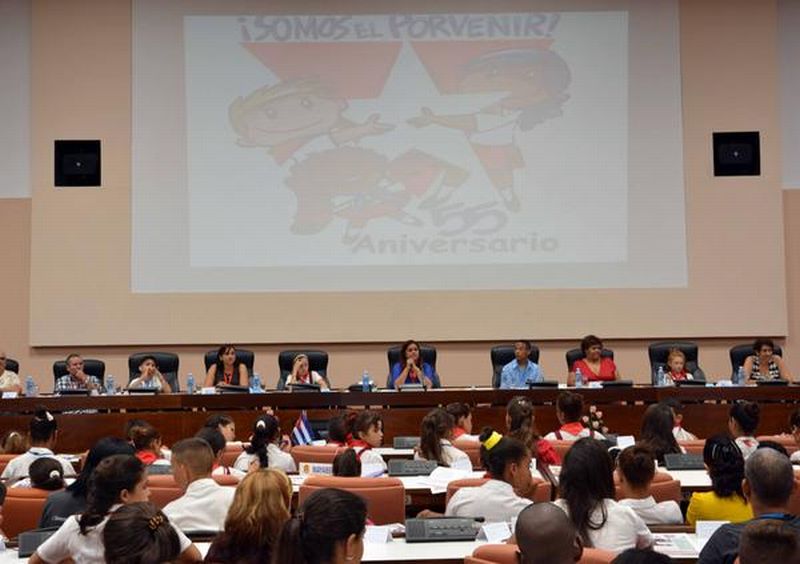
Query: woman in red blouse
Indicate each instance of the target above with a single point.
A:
(593, 366)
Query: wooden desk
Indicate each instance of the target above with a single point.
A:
(179, 415)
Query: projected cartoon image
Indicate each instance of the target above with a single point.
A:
(301, 122)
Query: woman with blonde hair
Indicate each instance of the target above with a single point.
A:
(260, 507)
(302, 375)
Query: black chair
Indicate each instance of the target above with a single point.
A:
(574, 355)
(12, 365)
(91, 366)
(426, 352)
(502, 355)
(317, 361)
(246, 357)
(739, 354)
(167, 363)
(659, 352)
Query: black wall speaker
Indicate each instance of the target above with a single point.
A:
(737, 153)
(77, 162)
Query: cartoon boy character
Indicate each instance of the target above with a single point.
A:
(536, 81)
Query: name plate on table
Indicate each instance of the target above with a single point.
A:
(10, 395)
(495, 532)
(310, 468)
(378, 534)
(208, 391)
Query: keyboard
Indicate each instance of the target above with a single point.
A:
(402, 467)
(441, 529)
(684, 461)
(405, 442)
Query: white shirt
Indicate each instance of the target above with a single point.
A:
(8, 379)
(202, 508)
(68, 542)
(747, 445)
(18, 467)
(228, 470)
(795, 457)
(277, 459)
(682, 434)
(495, 501)
(371, 461)
(570, 437)
(623, 529)
(652, 513)
(453, 457)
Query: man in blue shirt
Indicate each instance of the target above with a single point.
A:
(520, 371)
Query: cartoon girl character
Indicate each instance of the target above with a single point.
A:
(301, 123)
(536, 81)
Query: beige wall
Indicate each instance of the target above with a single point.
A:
(80, 238)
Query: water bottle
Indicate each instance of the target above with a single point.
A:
(30, 387)
(255, 383)
(365, 387)
(190, 383)
(578, 378)
(739, 377)
(661, 378)
(110, 389)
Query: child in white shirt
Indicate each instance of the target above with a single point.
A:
(264, 451)
(636, 469)
(435, 435)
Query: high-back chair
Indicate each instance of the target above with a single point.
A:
(23, 509)
(502, 355)
(317, 362)
(231, 453)
(163, 489)
(315, 454)
(693, 447)
(786, 441)
(12, 365)
(507, 554)
(385, 497)
(168, 364)
(659, 352)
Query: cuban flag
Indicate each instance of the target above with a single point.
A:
(302, 433)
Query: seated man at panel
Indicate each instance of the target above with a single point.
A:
(545, 535)
(768, 485)
(521, 371)
(9, 381)
(76, 378)
(205, 504)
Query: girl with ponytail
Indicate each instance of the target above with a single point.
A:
(264, 451)
(365, 433)
(118, 480)
(436, 432)
(328, 529)
(521, 424)
(508, 463)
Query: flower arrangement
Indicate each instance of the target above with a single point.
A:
(594, 420)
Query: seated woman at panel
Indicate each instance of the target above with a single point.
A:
(150, 377)
(366, 433)
(521, 425)
(569, 410)
(117, 480)
(656, 434)
(508, 464)
(228, 369)
(594, 367)
(676, 366)
(462, 416)
(586, 490)
(764, 364)
(411, 369)
(9, 381)
(267, 448)
(261, 506)
(302, 375)
(743, 422)
(328, 528)
(725, 501)
(436, 432)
